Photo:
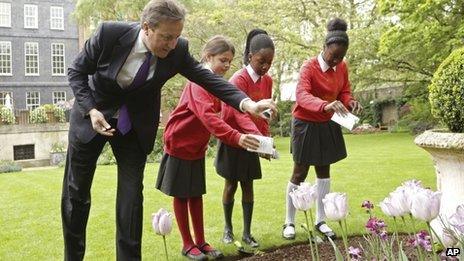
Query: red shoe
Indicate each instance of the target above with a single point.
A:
(194, 256)
(208, 250)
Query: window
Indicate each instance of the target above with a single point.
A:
(32, 100)
(59, 97)
(5, 58)
(30, 16)
(3, 97)
(23, 152)
(56, 18)
(58, 62)
(31, 59)
(5, 15)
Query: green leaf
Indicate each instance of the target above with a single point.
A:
(338, 254)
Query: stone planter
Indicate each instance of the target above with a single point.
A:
(57, 157)
(447, 150)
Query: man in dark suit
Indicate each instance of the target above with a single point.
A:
(120, 104)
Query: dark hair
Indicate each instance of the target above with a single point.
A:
(157, 11)
(257, 39)
(216, 45)
(336, 32)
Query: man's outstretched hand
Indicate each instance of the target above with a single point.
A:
(256, 108)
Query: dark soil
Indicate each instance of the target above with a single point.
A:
(301, 251)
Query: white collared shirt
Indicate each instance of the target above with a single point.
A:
(133, 62)
(254, 76)
(323, 64)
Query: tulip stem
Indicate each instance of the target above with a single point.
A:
(435, 233)
(315, 237)
(397, 238)
(434, 253)
(310, 236)
(165, 247)
(419, 251)
(404, 223)
(345, 240)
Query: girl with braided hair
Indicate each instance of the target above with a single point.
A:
(323, 89)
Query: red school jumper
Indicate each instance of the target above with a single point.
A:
(243, 122)
(316, 89)
(189, 127)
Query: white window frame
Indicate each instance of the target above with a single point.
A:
(5, 12)
(34, 16)
(3, 97)
(31, 106)
(57, 99)
(55, 55)
(8, 56)
(26, 67)
(56, 20)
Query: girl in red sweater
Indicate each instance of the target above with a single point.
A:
(237, 164)
(182, 169)
(323, 89)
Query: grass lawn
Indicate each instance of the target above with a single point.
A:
(30, 221)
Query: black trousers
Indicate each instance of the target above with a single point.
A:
(75, 202)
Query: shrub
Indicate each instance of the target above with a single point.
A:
(9, 166)
(6, 115)
(281, 126)
(446, 92)
(38, 115)
(419, 117)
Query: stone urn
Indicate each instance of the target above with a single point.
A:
(447, 150)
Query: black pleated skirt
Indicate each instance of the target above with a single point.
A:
(317, 143)
(181, 178)
(237, 164)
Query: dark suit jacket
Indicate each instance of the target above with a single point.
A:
(103, 56)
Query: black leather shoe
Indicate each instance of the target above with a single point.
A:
(200, 256)
(228, 237)
(249, 240)
(329, 234)
(211, 252)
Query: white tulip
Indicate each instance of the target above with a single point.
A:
(161, 222)
(335, 206)
(399, 200)
(304, 196)
(389, 208)
(457, 219)
(426, 204)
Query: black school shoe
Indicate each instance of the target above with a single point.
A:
(200, 256)
(329, 234)
(214, 253)
(250, 240)
(228, 237)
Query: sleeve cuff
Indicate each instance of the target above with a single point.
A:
(241, 104)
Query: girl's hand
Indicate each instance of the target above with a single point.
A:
(337, 107)
(247, 141)
(355, 106)
(265, 156)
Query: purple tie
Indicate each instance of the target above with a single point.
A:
(124, 122)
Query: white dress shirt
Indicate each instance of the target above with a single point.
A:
(254, 76)
(323, 64)
(133, 62)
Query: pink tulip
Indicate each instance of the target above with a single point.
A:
(161, 222)
(304, 196)
(425, 204)
(335, 206)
